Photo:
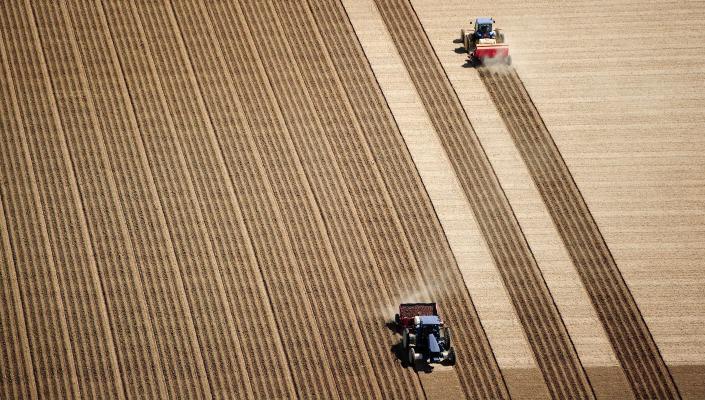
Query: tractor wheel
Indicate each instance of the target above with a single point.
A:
(405, 338)
(451, 357)
(466, 44)
(500, 37)
(509, 60)
(445, 332)
(411, 357)
(462, 36)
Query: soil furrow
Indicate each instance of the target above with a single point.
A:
(173, 198)
(257, 181)
(113, 249)
(481, 378)
(269, 374)
(96, 361)
(153, 252)
(540, 319)
(51, 353)
(368, 252)
(624, 324)
(193, 132)
(305, 171)
(16, 372)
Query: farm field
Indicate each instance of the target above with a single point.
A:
(230, 199)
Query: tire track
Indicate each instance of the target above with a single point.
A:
(87, 319)
(546, 333)
(16, 373)
(305, 172)
(479, 375)
(244, 143)
(630, 338)
(50, 347)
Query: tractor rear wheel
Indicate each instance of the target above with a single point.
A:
(411, 357)
(405, 338)
(450, 360)
(445, 334)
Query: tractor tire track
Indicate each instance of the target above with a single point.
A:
(542, 323)
(16, 372)
(50, 347)
(479, 374)
(87, 318)
(257, 180)
(630, 337)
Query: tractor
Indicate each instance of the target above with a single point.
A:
(425, 338)
(485, 45)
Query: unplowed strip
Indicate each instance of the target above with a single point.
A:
(120, 277)
(546, 333)
(52, 358)
(632, 342)
(87, 318)
(394, 173)
(244, 143)
(16, 373)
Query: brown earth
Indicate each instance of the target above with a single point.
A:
(221, 199)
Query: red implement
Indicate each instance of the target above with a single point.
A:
(408, 311)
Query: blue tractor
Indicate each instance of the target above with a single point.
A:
(485, 43)
(424, 336)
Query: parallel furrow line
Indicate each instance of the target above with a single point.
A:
(16, 373)
(52, 356)
(615, 306)
(168, 296)
(87, 318)
(245, 143)
(302, 172)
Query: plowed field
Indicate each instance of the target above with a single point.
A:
(229, 199)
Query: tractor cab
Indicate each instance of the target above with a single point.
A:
(483, 29)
